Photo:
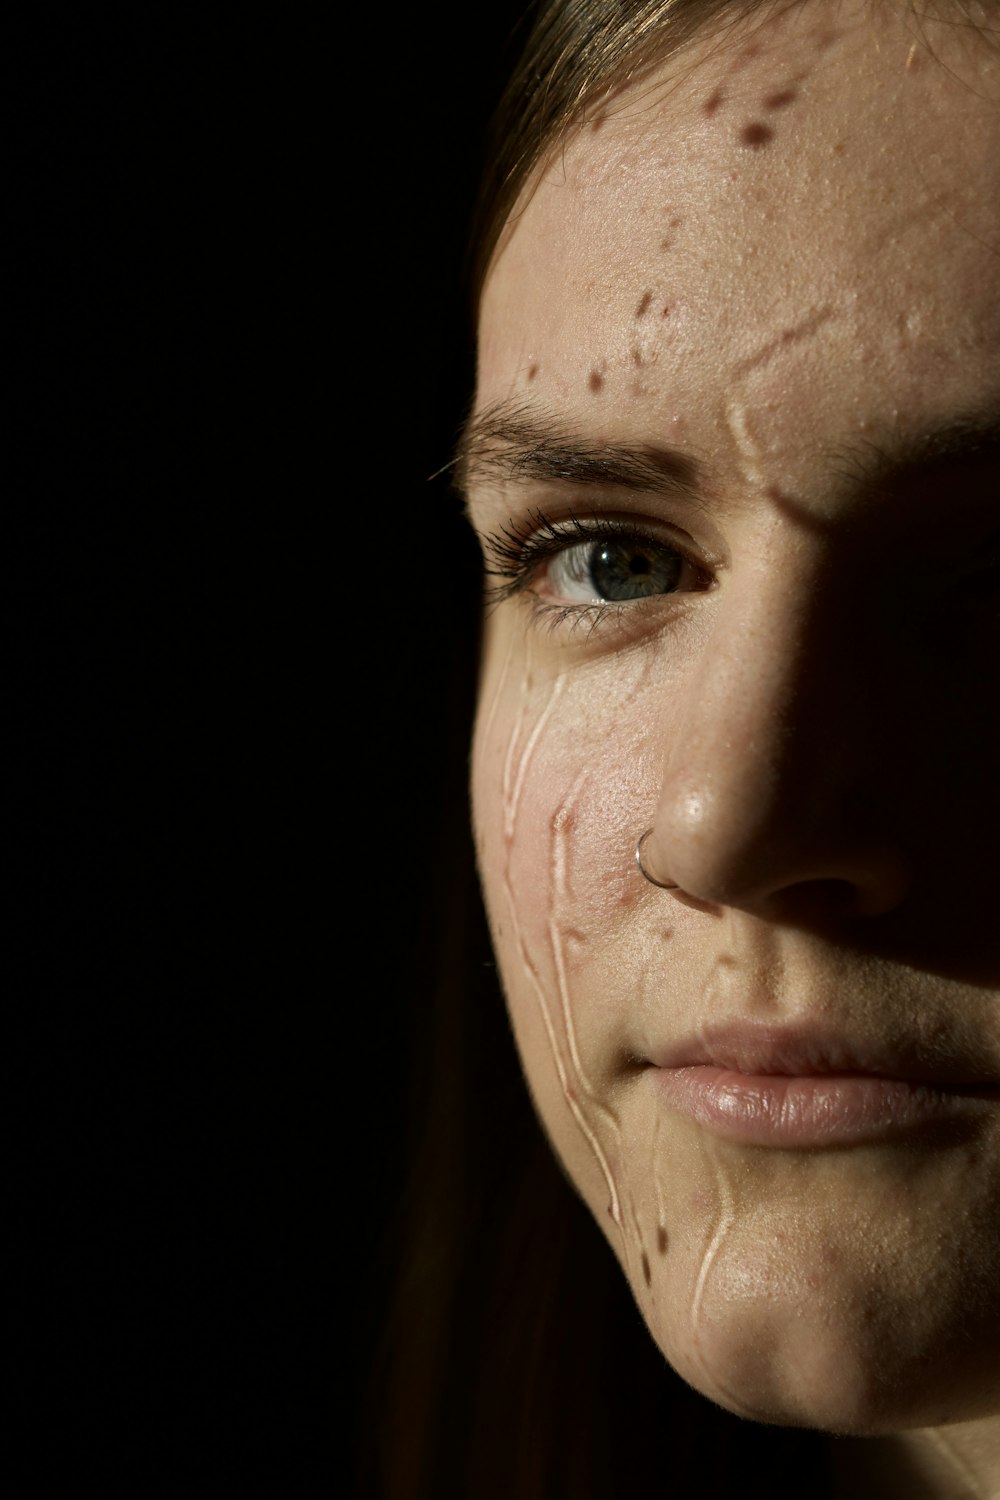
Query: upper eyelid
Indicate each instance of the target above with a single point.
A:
(515, 542)
(577, 528)
(580, 526)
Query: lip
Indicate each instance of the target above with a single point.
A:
(802, 1087)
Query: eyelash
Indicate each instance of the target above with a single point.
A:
(516, 552)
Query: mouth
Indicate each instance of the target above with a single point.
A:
(803, 1088)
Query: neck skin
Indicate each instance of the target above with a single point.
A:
(958, 1462)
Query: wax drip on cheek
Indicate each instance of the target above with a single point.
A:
(664, 1176)
(645, 1239)
(561, 930)
(643, 1254)
(717, 1208)
(656, 1181)
(660, 1237)
(712, 1251)
(527, 729)
(487, 713)
(545, 970)
(717, 1167)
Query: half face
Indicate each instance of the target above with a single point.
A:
(734, 463)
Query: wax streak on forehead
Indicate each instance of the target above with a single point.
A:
(746, 445)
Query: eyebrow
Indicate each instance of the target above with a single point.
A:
(512, 443)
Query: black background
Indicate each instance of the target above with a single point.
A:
(239, 349)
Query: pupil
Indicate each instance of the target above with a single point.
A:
(628, 570)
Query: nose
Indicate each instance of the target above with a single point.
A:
(778, 767)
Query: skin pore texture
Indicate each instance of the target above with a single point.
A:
(751, 309)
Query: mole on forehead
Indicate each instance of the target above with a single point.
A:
(753, 90)
(757, 67)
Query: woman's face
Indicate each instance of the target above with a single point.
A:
(735, 462)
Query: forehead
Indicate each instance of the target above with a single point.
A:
(809, 207)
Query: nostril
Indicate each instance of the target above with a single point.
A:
(820, 900)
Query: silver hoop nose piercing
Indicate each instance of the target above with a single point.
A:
(665, 885)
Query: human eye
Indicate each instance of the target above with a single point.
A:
(584, 567)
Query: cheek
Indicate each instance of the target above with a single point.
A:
(559, 794)
(560, 791)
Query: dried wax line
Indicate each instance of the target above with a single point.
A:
(510, 809)
(708, 1260)
(587, 1087)
(736, 419)
(559, 867)
(560, 864)
(657, 1175)
(506, 791)
(951, 1455)
(575, 1110)
(486, 729)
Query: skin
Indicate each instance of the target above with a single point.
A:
(808, 725)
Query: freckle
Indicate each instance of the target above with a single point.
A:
(532, 371)
(839, 149)
(756, 134)
(713, 101)
(596, 380)
(637, 356)
(661, 1240)
(665, 313)
(779, 99)
(646, 1271)
(666, 244)
(643, 307)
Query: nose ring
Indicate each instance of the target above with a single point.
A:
(665, 885)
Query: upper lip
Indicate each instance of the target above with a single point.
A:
(809, 1050)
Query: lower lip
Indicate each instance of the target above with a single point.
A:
(833, 1109)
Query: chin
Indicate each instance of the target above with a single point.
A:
(832, 1369)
